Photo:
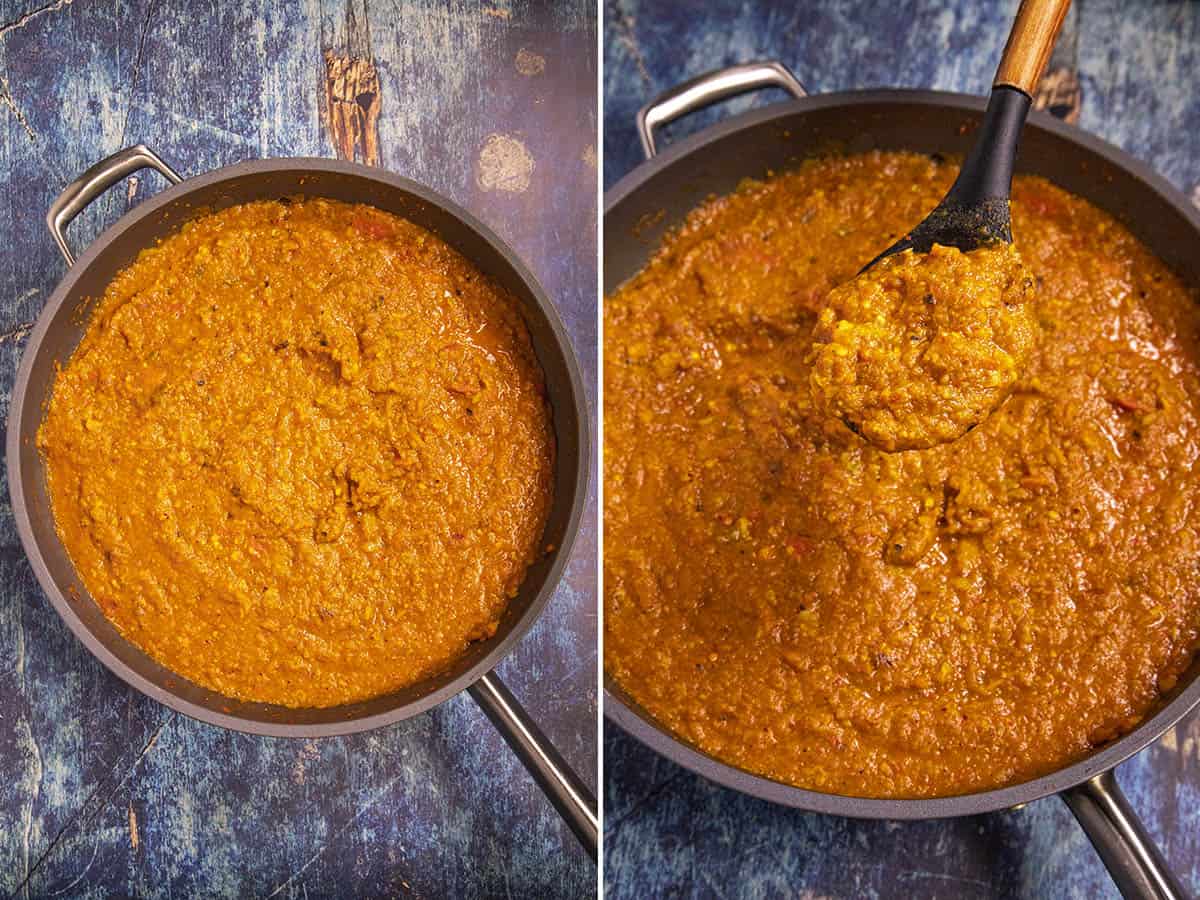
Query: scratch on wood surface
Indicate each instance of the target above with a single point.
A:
(371, 801)
(83, 873)
(88, 811)
(650, 796)
(623, 23)
(34, 790)
(6, 98)
(131, 187)
(16, 334)
(352, 104)
(197, 126)
(23, 20)
(135, 80)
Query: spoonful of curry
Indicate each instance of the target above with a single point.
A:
(933, 334)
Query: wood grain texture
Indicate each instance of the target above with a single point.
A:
(1030, 43)
(106, 793)
(671, 834)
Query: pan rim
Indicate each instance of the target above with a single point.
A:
(19, 410)
(661, 740)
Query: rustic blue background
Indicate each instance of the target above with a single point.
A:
(105, 793)
(669, 833)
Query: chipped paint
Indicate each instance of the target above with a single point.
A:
(505, 165)
(530, 63)
(1060, 94)
(352, 103)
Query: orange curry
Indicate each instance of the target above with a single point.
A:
(303, 453)
(920, 348)
(798, 602)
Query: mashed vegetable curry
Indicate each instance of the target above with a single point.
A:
(800, 603)
(917, 350)
(303, 453)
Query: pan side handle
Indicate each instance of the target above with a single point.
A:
(708, 89)
(1139, 870)
(570, 796)
(76, 196)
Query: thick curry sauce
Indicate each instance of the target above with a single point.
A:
(921, 347)
(303, 453)
(799, 603)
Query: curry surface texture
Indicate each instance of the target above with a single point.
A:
(921, 347)
(303, 453)
(803, 605)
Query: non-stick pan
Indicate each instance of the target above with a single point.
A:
(60, 328)
(657, 195)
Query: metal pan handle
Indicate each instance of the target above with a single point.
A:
(95, 181)
(562, 786)
(708, 89)
(1134, 862)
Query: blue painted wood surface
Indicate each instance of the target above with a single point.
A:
(105, 793)
(669, 833)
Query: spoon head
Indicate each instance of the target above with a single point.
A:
(965, 226)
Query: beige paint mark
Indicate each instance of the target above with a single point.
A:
(131, 187)
(497, 12)
(589, 157)
(352, 104)
(133, 827)
(307, 753)
(1060, 94)
(1196, 195)
(530, 63)
(16, 334)
(505, 165)
(1170, 741)
(1189, 749)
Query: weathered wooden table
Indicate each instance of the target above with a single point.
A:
(669, 833)
(105, 793)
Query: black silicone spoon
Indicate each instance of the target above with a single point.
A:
(975, 211)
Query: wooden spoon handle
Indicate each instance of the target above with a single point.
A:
(1029, 43)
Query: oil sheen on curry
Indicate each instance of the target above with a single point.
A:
(802, 604)
(303, 453)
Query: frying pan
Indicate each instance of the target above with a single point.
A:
(659, 193)
(59, 329)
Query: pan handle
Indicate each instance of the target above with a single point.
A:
(95, 181)
(1135, 864)
(570, 796)
(708, 89)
